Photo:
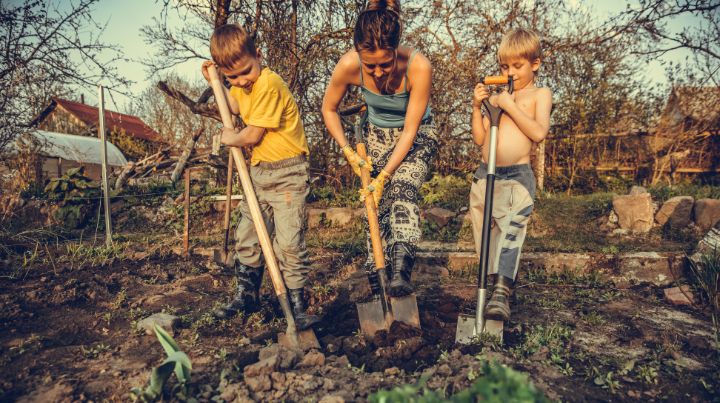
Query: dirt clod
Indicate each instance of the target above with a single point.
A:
(260, 383)
(313, 358)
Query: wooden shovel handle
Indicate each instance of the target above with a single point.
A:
(375, 240)
(228, 204)
(247, 186)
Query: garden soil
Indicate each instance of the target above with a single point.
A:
(70, 334)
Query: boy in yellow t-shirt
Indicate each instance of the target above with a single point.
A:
(279, 170)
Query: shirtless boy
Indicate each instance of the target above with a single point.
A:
(526, 120)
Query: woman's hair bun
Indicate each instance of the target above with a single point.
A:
(377, 5)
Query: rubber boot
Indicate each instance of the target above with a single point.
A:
(498, 308)
(373, 278)
(402, 263)
(247, 295)
(302, 319)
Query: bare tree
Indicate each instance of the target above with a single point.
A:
(49, 46)
(649, 23)
(586, 61)
(175, 122)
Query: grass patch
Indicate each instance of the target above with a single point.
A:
(562, 223)
(348, 240)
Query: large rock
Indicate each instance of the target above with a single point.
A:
(635, 212)
(676, 211)
(706, 213)
(438, 216)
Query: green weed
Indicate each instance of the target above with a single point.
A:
(493, 383)
(177, 361)
(94, 351)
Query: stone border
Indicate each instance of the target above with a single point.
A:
(623, 269)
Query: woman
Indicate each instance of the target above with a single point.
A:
(395, 81)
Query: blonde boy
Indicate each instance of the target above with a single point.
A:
(526, 120)
(278, 168)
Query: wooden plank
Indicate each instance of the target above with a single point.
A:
(678, 170)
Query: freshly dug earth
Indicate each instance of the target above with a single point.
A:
(69, 335)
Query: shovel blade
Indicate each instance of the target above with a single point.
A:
(372, 317)
(405, 309)
(465, 332)
(304, 339)
(222, 258)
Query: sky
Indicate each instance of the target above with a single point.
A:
(125, 19)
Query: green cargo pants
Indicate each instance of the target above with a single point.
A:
(281, 188)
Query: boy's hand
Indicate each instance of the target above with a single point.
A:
(355, 161)
(481, 92)
(229, 137)
(206, 64)
(375, 188)
(505, 99)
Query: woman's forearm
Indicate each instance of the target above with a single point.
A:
(334, 126)
(403, 146)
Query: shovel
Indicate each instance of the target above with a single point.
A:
(221, 256)
(470, 327)
(378, 314)
(304, 339)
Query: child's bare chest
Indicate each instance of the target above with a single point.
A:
(525, 100)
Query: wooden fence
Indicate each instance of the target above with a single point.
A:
(641, 156)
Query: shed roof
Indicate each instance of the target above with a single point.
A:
(699, 104)
(114, 121)
(76, 148)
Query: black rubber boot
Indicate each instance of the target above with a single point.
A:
(499, 306)
(247, 296)
(403, 262)
(373, 279)
(302, 319)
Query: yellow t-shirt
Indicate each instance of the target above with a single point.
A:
(269, 104)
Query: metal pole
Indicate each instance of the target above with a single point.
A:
(186, 232)
(103, 149)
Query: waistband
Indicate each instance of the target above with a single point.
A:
(400, 125)
(507, 172)
(286, 163)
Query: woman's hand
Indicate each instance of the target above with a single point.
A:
(375, 188)
(355, 161)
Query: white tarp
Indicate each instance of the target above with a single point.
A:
(82, 149)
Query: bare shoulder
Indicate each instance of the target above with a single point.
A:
(348, 67)
(543, 94)
(420, 64)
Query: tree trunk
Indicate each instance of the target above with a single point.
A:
(189, 147)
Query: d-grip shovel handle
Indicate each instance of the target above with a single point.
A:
(494, 112)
